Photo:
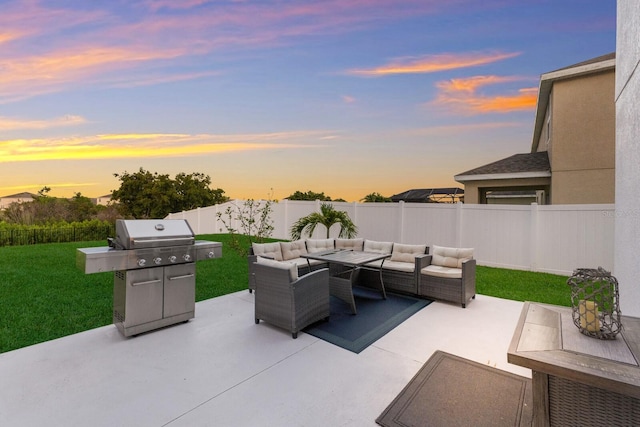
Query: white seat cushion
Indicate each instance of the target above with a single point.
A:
(292, 250)
(303, 262)
(407, 253)
(409, 267)
(319, 245)
(440, 271)
(268, 250)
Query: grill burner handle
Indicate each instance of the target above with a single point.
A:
(186, 240)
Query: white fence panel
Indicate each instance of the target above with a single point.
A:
(578, 237)
(430, 223)
(555, 238)
(378, 221)
(500, 234)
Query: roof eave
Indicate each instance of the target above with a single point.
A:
(502, 176)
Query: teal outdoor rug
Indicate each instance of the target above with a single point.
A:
(375, 318)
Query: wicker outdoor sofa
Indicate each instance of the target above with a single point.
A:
(409, 270)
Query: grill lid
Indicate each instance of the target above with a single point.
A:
(152, 233)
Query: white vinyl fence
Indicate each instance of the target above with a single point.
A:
(547, 238)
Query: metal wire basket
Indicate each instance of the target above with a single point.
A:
(595, 303)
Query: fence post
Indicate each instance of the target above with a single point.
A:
(459, 224)
(286, 215)
(533, 237)
(215, 218)
(401, 222)
(355, 213)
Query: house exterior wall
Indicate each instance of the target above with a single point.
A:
(473, 189)
(582, 148)
(627, 214)
(6, 201)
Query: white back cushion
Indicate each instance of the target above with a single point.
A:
(407, 253)
(378, 247)
(319, 245)
(293, 269)
(450, 257)
(353, 244)
(269, 250)
(293, 250)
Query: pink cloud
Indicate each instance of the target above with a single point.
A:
(435, 63)
(462, 96)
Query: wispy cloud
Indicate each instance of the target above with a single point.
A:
(463, 96)
(8, 124)
(434, 63)
(113, 146)
(40, 74)
(46, 48)
(32, 185)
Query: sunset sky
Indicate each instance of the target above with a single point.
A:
(345, 97)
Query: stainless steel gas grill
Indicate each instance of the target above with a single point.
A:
(155, 272)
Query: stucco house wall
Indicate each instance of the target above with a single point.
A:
(627, 219)
(582, 146)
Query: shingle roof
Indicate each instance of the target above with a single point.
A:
(527, 162)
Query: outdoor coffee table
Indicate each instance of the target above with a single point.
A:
(344, 268)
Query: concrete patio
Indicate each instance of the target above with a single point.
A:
(221, 369)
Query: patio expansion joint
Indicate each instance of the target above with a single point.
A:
(257, 374)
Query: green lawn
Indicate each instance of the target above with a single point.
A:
(44, 296)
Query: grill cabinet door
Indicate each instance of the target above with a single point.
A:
(179, 289)
(140, 291)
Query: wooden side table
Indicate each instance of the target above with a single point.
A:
(577, 380)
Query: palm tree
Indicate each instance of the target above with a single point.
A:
(327, 216)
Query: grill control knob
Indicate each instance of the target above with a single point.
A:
(157, 261)
(142, 262)
(186, 257)
(210, 254)
(172, 258)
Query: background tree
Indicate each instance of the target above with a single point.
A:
(151, 195)
(309, 196)
(81, 208)
(328, 217)
(193, 191)
(375, 198)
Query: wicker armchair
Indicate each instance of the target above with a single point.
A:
(449, 275)
(288, 301)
